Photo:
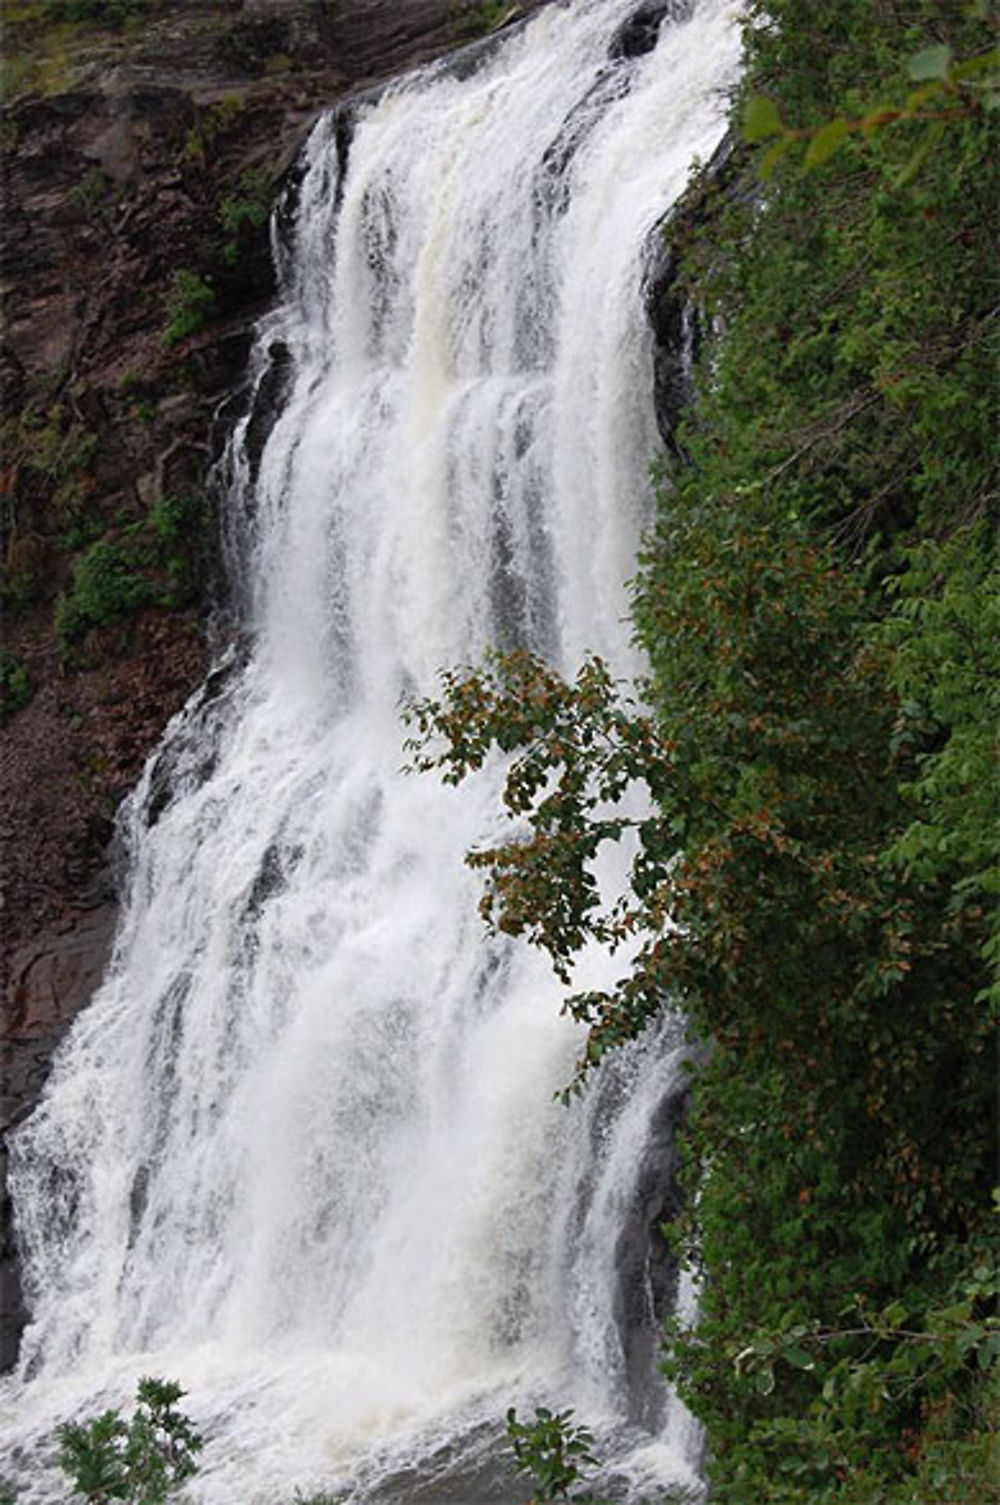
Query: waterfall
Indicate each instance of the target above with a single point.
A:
(302, 1153)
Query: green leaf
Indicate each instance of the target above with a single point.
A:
(761, 119)
(798, 1358)
(931, 62)
(764, 1381)
(919, 97)
(989, 1350)
(920, 156)
(772, 156)
(825, 142)
(972, 66)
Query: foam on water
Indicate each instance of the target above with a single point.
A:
(301, 1153)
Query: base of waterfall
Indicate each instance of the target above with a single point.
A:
(426, 1439)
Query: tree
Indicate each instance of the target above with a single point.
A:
(815, 883)
(140, 1461)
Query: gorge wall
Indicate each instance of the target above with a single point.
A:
(132, 152)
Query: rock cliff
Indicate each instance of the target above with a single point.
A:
(142, 146)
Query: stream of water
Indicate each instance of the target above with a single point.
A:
(302, 1152)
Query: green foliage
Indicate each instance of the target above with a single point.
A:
(553, 1451)
(860, 1374)
(949, 90)
(112, 13)
(157, 560)
(189, 303)
(850, 405)
(140, 397)
(90, 193)
(215, 124)
(816, 881)
(15, 687)
(46, 479)
(945, 631)
(47, 43)
(52, 447)
(16, 72)
(246, 210)
(140, 1461)
(107, 584)
(578, 748)
(482, 17)
(182, 543)
(177, 518)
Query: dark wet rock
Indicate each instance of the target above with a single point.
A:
(188, 758)
(288, 194)
(639, 33)
(646, 1266)
(13, 1313)
(269, 399)
(49, 981)
(676, 319)
(677, 335)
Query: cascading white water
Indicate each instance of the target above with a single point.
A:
(301, 1152)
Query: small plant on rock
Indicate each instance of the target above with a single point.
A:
(483, 17)
(15, 692)
(140, 1461)
(108, 583)
(245, 211)
(188, 304)
(552, 1450)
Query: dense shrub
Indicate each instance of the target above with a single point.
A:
(15, 687)
(189, 303)
(141, 1461)
(158, 560)
(817, 886)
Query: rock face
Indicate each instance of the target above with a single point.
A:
(138, 170)
(678, 324)
(48, 982)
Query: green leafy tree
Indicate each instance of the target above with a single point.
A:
(108, 583)
(948, 90)
(815, 882)
(140, 1461)
(190, 301)
(553, 1450)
